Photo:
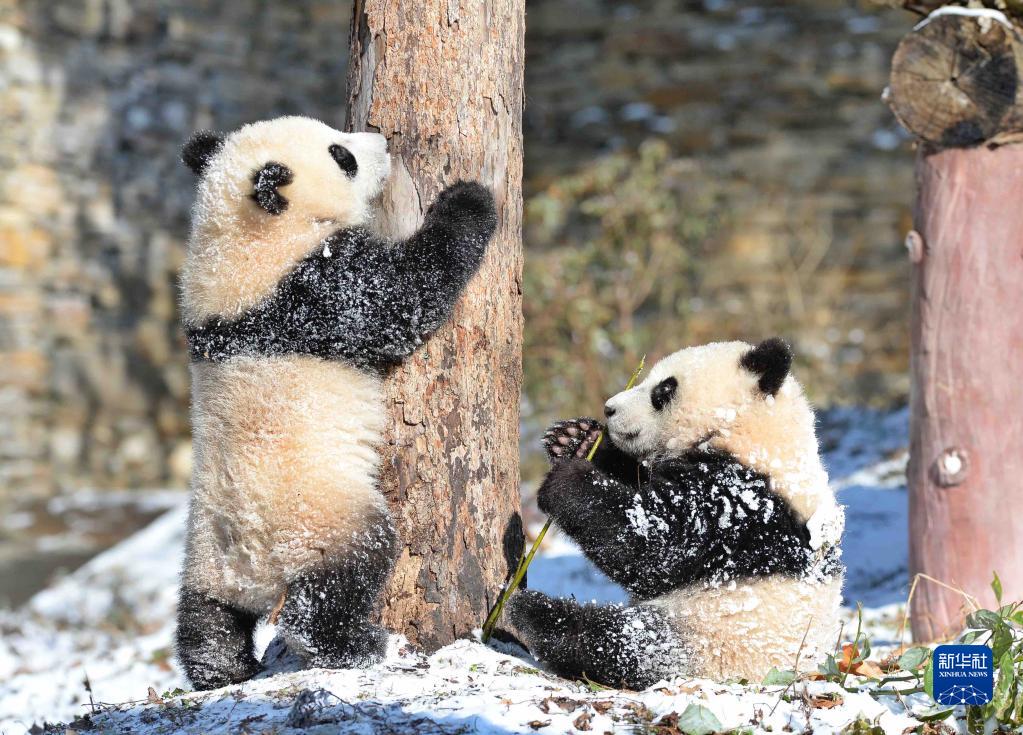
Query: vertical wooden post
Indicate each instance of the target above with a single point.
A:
(443, 81)
(966, 453)
(956, 85)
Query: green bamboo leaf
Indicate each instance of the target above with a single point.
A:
(698, 720)
(935, 716)
(776, 677)
(996, 587)
(829, 667)
(1001, 641)
(929, 678)
(1001, 703)
(983, 619)
(914, 658)
(970, 637)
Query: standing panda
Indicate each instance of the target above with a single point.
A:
(707, 501)
(293, 311)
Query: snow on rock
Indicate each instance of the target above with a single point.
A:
(113, 619)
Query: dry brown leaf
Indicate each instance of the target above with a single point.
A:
(566, 704)
(869, 668)
(861, 668)
(539, 724)
(827, 700)
(602, 706)
(668, 725)
(582, 722)
(153, 697)
(929, 728)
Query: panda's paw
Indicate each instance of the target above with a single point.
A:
(572, 438)
(529, 611)
(466, 201)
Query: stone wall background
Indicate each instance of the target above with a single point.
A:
(792, 187)
(96, 98)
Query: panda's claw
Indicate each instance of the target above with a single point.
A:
(571, 438)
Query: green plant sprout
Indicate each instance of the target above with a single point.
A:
(506, 593)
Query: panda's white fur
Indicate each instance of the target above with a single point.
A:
(729, 455)
(294, 311)
(284, 473)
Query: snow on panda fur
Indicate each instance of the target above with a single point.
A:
(707, 501)
(293, 311)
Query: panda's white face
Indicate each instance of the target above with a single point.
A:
(687, 398)
(266, 196)
(292, 173)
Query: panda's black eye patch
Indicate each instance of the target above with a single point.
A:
(345, 160)
(265, 183)
(663, 392)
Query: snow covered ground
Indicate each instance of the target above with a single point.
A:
(102, 637)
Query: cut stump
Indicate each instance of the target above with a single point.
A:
(955, 80)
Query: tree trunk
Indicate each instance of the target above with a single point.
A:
(443, 82)
(966, 453)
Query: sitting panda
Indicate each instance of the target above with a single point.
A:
(293, 311)
(707, 501)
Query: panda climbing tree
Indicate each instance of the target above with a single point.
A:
(446, 91)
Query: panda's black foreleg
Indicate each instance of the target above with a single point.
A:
(593, 509)
(214, 641)
(628, 647)
(325, 617)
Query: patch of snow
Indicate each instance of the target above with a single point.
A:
(980, 13)
(113, 621)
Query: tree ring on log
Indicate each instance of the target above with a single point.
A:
(955, 79)
(951, 467)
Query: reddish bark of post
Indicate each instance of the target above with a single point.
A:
(966, 454)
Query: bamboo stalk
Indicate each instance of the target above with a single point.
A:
(506, 593)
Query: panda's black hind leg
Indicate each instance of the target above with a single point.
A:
(628, 647)
(325, 617)
(214, 641)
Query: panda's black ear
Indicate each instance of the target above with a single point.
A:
(200, 149)
(771, 360)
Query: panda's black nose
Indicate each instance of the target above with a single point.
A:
(609, 410)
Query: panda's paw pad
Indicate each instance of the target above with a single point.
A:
(572, 438)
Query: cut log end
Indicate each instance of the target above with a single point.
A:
(955, 81)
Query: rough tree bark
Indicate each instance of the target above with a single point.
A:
(443, 81)
(966, 455)
(956, 84)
